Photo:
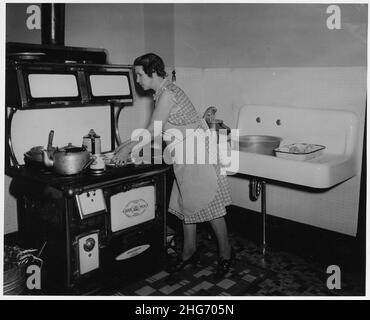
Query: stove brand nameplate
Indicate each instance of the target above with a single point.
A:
(132, 207)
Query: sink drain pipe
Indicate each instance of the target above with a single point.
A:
(257, 187)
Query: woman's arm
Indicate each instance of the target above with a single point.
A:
(161, 113)
(162, 110)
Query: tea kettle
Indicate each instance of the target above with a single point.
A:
(68, 160)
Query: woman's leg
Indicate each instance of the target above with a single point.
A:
(190, 240)
(220, 229)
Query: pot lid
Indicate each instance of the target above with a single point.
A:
(36, 150)
(71, 148)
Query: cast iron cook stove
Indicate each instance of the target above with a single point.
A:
(98, 231)
(95, 230)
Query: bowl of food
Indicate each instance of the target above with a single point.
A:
(300, 151)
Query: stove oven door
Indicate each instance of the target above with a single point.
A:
(132, 207)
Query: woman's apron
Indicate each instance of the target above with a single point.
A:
(195, 185)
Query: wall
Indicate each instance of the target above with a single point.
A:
(158, 38)
(126, 31)
(230, 55)
(159, 31)
(268, 35)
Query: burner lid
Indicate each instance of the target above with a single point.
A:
(27, 55)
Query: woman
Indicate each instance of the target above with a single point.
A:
(199, 192)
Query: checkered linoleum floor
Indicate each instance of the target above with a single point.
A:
(276, 274)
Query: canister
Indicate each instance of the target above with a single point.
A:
(98, 164)
(92, 142)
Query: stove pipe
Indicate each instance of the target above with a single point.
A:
(52, 23)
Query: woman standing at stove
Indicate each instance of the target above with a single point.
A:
(200, 193)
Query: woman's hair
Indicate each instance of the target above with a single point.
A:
(151, 63)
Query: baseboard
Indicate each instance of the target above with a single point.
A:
(323, 246)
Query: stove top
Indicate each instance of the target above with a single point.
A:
(86, 179)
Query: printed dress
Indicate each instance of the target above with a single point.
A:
(199, 193)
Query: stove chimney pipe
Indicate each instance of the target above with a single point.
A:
(52, 23)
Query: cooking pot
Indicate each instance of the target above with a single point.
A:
(218, 124)
(68, 160)
(34, 156)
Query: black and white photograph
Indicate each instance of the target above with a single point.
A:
(184, 150)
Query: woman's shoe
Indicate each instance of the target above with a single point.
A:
(192, 260)
(224, 265)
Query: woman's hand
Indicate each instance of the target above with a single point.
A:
(122, 154)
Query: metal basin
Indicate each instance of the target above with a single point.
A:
(259, 144)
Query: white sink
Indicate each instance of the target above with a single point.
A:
(337, 130)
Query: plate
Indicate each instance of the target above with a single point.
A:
(299, 151)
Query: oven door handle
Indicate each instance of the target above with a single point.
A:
(136, 185)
